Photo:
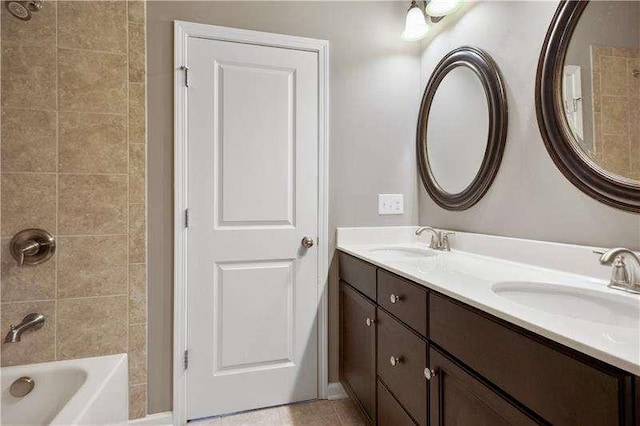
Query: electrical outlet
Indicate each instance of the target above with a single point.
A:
(390, 204)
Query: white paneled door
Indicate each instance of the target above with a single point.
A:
(252, 193)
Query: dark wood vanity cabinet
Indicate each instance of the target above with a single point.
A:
(456, 397)
(426, 359)
(358, 348)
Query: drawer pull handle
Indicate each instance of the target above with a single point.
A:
(395, 299)
(429, 373)
(370, 322)
(395, 360)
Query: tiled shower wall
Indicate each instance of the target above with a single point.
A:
(73, 162)
(616, 109)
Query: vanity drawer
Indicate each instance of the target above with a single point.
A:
(406, 378)
(390, 412)
(359, 274)
(551, 381)
(404, 299)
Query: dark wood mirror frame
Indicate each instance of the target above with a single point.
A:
(572, 161)
(485, 68)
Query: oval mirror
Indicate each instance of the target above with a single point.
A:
(462, 128)
(588, 98)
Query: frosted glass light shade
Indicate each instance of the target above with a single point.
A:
(416, 25)
(439, 8)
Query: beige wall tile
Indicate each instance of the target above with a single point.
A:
(137, 293)
(92, 143)
(92, 266)
(616, 154)
(136, 11)
(28, 201)
(92, 204)
(137, 401)
(28, 141)
(137, 233)
(600, 51)
(40, 30)
(595, 81)
(137, 113)
(137, 53)
(137, 354)
(615, 115)
(625, 52)
(93, 25)
(634, 111)
(26, 283)
(91, 327)
(633, 82)
(614, 76)
(34, 346)
(137, 168)
(634, 153)
(92, 81)
(28, 77)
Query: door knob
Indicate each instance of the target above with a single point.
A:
(307, 242)
(369, 322)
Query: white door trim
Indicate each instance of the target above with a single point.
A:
(182, 32)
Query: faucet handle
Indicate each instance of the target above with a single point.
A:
(444, 238)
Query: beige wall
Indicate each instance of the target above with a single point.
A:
(374, 91)
(529, 198)
(73, 163)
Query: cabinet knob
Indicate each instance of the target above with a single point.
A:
(429, 373)
(370, 322)
(394, 298)
(395, 360)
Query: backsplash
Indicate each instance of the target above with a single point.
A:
(74, 163)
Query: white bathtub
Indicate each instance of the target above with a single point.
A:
(75, 392)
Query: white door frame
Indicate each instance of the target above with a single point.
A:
(182, 32)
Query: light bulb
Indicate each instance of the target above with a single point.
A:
(440, 8)
(416, 25)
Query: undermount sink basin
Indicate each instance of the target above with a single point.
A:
(403, 252)
(573, 302)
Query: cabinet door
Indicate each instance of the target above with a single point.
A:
(390, 412)
(458, 399)
(358, 345)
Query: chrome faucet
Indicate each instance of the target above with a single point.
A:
(439, 239)
(32, 321)
(623, 277)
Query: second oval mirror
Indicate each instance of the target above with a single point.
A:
(461, 128)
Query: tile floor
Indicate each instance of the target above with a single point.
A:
(340, 412)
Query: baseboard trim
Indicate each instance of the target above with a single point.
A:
(158, 419)
(335, 390)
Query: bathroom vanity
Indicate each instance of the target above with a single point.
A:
(436, 337)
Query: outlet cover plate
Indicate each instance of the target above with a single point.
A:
(390, 204)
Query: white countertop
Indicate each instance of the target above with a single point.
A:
(469, 278)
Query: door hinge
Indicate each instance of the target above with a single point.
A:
(186, 359)
(186, 75)
(186, 218)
